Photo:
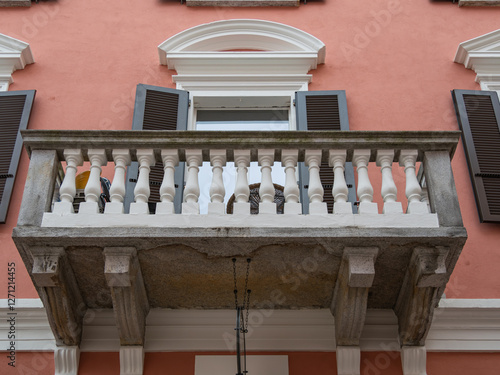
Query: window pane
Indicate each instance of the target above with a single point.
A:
(246, 120)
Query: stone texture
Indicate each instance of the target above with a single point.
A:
(350, 297)
(242, 3)
(441, 188)
(130, 302)
(420, 294)
(15, 3)
(59, 293)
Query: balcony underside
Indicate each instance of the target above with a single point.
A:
(192, 268)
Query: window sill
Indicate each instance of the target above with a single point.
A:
(15, 3)
(479, 3)
(242, 3)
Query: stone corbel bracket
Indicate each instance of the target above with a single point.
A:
(418, 296)
(130, 302)
(60, 294)
(357, 271)
(350, 298)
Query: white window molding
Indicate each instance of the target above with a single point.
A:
(245, 55)
(14, 55)
(482, 54)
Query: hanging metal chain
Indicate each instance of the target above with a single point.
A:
(246, 294)
(235, 286)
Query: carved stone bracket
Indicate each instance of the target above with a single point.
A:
(418, 297)
(130, 302)
(59, 292)
(357, 271)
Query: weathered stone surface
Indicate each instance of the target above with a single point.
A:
(60, 294)
(243, 3)
(39, 187)
(419, 294)
(350, 297)
(441, 188)
(15, 3)
(478, 3)
(130, 302)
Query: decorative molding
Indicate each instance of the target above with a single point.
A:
(231, 53)
(465, 325)
(348, 360)
(66, 359)
(482, 54)
(14, 55)
(131, 360)
(414, 359)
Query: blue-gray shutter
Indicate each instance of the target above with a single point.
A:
(323, 110)
(15, 110)
(158, 108)
(478, 114)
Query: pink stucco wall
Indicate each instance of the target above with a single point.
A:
(393, 57)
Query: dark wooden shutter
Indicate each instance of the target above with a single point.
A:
(15, 109)
(478, 114)
(323, 110)
(159, 108)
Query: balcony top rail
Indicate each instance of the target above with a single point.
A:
(60, 140)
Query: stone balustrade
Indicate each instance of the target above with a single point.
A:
(385, 151)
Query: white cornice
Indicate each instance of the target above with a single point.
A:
(481, 54)
(467, 325)
(241, 48)
(14, 55)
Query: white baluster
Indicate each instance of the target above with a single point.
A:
(192, 190)
(407, 159)
(388, 190)
(97, 159)
(266, 189)
(121, 157)
(146, 160)
(241, 205)
(67, 190)
(340, 191)
(360, 160)
(170, 160)
(217, 191)
(289, 159)
(315, 193)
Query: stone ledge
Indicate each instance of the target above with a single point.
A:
(242, 3)
(479, 3)
(15, 3)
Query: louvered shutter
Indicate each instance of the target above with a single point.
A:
(323, 110)
(15, 109)
(158, 108)
(478, 114)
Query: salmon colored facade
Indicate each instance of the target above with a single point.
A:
(393, 58)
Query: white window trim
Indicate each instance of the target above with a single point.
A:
(482, 54)
(242, 58)
(14, 55)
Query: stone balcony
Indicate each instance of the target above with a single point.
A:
(390, 254)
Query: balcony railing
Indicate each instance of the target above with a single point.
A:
(390, 152)
(390, 254)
